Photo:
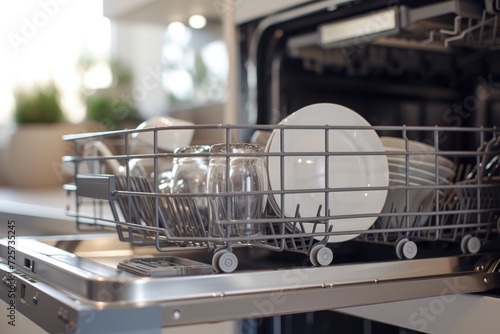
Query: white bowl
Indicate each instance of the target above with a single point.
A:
(168, 139)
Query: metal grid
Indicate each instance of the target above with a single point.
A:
(465, 209)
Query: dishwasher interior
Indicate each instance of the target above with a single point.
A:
(425, 72)
(426, 63)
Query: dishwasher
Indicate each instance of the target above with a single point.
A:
(366, 139)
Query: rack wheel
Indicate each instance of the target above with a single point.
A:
(406, 249)
(224, 261)
(470, 244)
(321, 255)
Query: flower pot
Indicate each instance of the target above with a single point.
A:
(33, 158)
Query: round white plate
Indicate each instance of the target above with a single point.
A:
(308, 172)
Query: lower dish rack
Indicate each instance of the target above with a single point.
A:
(413, 187)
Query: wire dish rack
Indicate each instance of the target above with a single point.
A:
(468, 32)
(426, 190)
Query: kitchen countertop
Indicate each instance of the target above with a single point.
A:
(36, 211)
(51, 200)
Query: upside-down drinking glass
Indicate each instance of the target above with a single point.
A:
(189, 175)
(237, 173)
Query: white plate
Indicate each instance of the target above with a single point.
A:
(444, 172)
(415, 180)
(308, 171)
(419, 200)
(398, 144)
(416, 172)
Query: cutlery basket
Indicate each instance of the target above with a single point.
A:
(412, 187)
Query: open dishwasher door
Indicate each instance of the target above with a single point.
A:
(57, 289)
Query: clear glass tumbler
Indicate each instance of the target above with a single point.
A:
(189, 175)
(240, 177)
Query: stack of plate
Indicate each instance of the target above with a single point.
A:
(424, 167)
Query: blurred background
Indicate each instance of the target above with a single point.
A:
(77, 66)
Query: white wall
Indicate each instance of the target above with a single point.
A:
(42, 40)
(139, 46)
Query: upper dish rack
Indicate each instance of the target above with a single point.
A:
(480, 33)
(432, 193)
(436, 27)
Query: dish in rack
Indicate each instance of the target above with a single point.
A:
(307, 172)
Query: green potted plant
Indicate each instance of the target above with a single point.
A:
(39, 105)
(33, 157)
(111, 112)
(113, 107)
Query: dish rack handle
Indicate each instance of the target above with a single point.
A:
(97, 186)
